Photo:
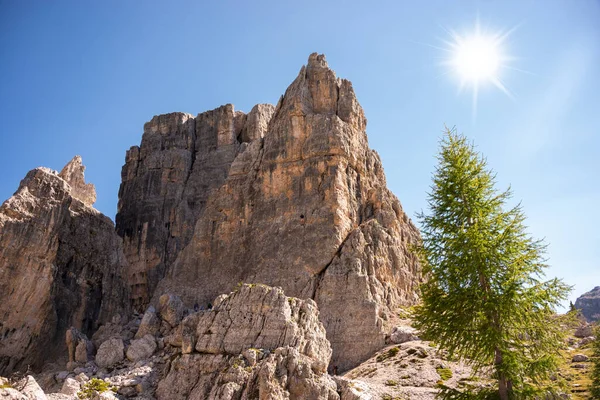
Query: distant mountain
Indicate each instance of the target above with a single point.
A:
(589, 304)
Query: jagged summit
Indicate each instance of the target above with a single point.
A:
(288, 196)
(72, 173)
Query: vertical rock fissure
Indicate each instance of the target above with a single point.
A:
(319, 275)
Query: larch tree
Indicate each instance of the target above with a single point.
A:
(485, 299)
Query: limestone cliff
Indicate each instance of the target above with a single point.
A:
(166, 182)
(60, 266)
(292, 197)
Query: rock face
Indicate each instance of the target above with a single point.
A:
(589, 304)
(166, 182)
(303, 206)
(255, 343)
(60, 266)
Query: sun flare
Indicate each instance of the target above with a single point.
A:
(478, 59)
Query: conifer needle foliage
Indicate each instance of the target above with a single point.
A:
(485, 300)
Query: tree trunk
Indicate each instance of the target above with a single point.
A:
(502, 387)
(503, 383)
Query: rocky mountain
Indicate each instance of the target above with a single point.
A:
(61, 265)
(288, 196)
(252, 254)
(589, 304)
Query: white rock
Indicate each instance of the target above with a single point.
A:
(401, 334)
(32, 390)
(11, 394)
(70, 387)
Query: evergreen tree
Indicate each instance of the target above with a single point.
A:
(595, 389)
(484, 299)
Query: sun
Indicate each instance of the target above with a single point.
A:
(478, 59)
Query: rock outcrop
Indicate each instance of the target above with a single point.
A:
(255, 343)
(303, 206)
(72, 173)
(589, 304)
(60, 266)
(412, 370)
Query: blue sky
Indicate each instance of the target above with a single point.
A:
(82, 78)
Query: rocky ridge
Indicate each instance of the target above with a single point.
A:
(60, 266)
(255, 343)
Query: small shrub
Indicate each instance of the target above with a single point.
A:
(391, 382)
(5, 386)
(444, 373)
(388, 354)
(94, 387)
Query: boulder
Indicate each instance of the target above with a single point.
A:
(70, 387)
(584, 331)
(32, 390)
(171, 309)
(141, 349)
(580, 358)
(80, 348)
(149, 325)
(401, 334)
(107, 331)
(110, 352)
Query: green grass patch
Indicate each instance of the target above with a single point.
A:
(388, 354)
(444, 373)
